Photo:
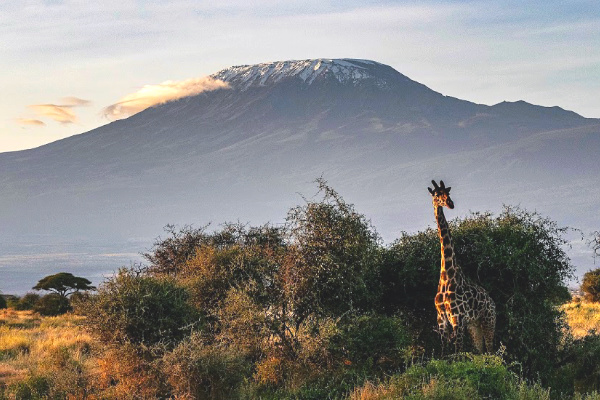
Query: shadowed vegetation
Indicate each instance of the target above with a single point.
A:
(320, 308)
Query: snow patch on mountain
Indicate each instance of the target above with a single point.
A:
(346, 71)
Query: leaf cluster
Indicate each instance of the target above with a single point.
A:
(590, 286)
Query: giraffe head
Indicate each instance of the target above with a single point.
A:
(441, 195)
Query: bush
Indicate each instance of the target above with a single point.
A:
(3, 302)
(32, 388)
(167, 256)
(590, 286)
(372, 343)
(581, 372)
(314, 308)
(474, 377)
(332, 263)
(27, 302)
(140, 310)
(52, 304)
(199, 369)
(518, 257)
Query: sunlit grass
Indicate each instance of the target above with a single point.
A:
(582, 317)
(60, 350)
(42, 346)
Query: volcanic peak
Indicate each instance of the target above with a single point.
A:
(344, 70)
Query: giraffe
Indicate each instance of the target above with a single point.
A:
(460, 303)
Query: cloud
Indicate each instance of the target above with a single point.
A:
(75, 101)
(59, 113)
(62, 113)
(151, 95)
(32, 122)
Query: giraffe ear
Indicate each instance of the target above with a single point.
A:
(430, 190)
(448, 189)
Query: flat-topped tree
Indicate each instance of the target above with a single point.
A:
(64, 284)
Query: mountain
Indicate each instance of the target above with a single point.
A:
(245, 152)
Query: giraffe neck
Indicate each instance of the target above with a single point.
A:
(449, 266)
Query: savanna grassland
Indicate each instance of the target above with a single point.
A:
(54, 357)
(40, 355)
(582, 317)
(318, 308)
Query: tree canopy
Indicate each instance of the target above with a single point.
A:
(590, 286)
(63, 284)
(322, 296)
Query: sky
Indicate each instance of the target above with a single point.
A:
(66, 66)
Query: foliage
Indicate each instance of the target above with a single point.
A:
(3, 303)
(581, 370)
(32, 388)
(139, 310)
(473, 377)
(371, 342)
(27, 302)
(332, 264)
(316, 307)
(203, 370)
(236, 256)
(518, 257)
(168, 255)
(63, 284)
(590, 286)
(52, 304)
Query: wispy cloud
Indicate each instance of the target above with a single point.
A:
(62, 113)
(59, 113)
(30, 122)
(75, 101)
(151, 95)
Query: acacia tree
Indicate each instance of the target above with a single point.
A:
(591, 285)
(63, 284)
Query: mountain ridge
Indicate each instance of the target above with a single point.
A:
(244, 153)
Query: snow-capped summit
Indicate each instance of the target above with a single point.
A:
(345, 71)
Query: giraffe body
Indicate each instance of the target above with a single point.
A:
(460, 303)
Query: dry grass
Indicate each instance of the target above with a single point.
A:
(582, 317)
(59, 349)
(56, 348)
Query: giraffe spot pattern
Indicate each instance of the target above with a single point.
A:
(459, 302)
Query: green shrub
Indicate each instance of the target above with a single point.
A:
(32, 388)
(587, 396)
(332, 263)
(373, 343)
(3, 302)
(203, 370)
(473, 377)
(27, 302)
(518, 257)
(581, 372)
(590, 286)
(134, 309)
(52, 304)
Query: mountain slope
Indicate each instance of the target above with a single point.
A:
(244, 152)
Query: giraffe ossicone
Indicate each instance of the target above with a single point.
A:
(460, 303)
